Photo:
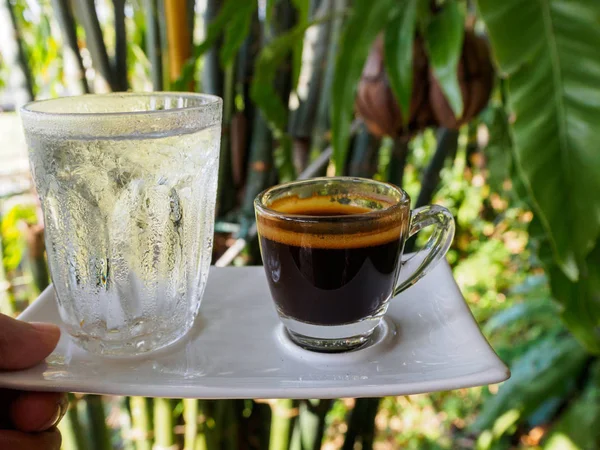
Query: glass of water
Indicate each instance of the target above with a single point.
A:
(128, 187)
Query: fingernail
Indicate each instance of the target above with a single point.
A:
(47, 329)
(63, 405)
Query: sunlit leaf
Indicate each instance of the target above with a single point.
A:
(549, 52)
(444, 42)
(236, 30)
(399, 37)
(302, 9)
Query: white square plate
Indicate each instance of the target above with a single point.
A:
(428, 342)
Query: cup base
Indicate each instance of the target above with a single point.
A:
(331, 339)
(138, 346)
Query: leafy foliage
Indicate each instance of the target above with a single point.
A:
(444, 41)
(556, 105)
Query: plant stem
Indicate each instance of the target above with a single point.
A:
(282, 413)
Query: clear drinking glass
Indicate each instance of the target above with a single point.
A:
(128, 186)
(332, 251)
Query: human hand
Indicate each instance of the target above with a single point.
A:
(28, 419)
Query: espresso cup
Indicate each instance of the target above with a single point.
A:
(332, 251)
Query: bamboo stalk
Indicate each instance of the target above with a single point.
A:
(153, 44)
(120, 63)
(178, 36)
(97, 429)
(71, 429)
(361, 425)
(125, 424)
(164, 436)
(230, 426)
(310, 426)
(85, 10)
(141, 421)
(282, 413)
(190, 416)
(307, 93)
(64, 15)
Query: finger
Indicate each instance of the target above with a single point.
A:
(23, 344)
(37, 411)
(17, 440)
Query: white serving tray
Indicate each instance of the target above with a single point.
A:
(428, 342)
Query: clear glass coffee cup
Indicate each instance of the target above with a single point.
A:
(332, 250)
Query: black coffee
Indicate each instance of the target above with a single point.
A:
(330, 279)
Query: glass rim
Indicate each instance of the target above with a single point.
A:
(261, 208)
(211, 101)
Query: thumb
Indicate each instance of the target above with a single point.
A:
(23, 344)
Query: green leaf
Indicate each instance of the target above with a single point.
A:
(262, 90)
(499, 148)
(232, 13)
(398, 47)
(366, 20)
(578, 427)
(581, 301)
(302, 8)
(542, 372)
(444, 42)
(264, 95)
(236, 30)
(549, 52)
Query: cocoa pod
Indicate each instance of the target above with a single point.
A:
(476, 79)
(375, 101)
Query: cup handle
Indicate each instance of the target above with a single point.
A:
(437, 245)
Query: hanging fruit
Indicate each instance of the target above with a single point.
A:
(476, 78)
(376, 104)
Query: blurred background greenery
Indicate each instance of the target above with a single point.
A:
(489, 108)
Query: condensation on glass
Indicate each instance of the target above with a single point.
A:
(128, 186)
